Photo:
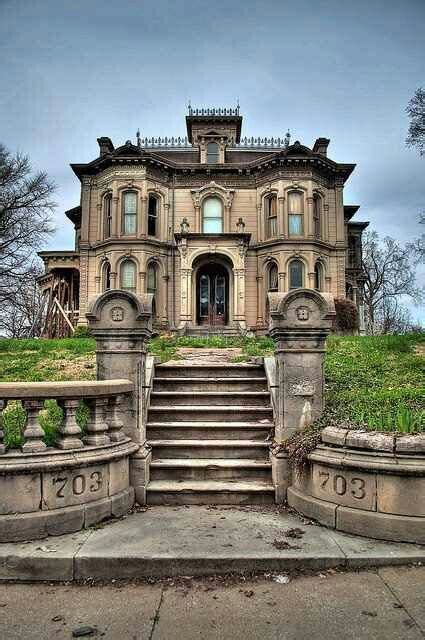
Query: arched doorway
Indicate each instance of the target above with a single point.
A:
(212, 295)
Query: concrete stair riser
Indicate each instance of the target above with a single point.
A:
(210, 398)
(200, 497)
(218, 371)
(208, 449)
(184, 413)
(210, 384)
(259, 472)
(204, 432)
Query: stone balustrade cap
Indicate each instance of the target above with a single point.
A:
(71, 389)
(119, 310)
(303, 309)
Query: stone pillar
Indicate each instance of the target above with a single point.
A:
(300, 322)
(121, 323)
(115, 218)
(310, 223)
(281, 226)
(143, 217)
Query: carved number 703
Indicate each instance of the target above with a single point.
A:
(339, 485)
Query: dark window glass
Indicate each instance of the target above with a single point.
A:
(317, 216)
(212, 153)
(271, 216)
(107, 216)
(318, 276)
(296, 274)
(152, 215)
(273, 278)
(107, 277)
(128, 275)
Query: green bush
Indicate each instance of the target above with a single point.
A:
(347, 318)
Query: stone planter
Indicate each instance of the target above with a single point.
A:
(79, 482)
(369, 484)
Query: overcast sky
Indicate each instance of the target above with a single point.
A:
(74, 70)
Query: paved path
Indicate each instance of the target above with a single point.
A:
(197, 540)
(384, 604)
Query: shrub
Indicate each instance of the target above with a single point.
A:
(81, 332)
(347, 318)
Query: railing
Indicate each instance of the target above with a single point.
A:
(103, 399)
(263, 143)
(183, 143)
(170, 143)
(214, 111)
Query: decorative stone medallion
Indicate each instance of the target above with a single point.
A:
(303, 313)
(117, 314)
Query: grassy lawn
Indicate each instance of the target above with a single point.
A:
(373, 382)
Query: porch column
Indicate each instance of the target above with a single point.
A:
(239, 296)
(260, 301)
(186, 296)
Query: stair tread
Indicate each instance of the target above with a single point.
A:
(209, 379)
(208, 443)
(210, 393)
(211, 462)
(209, 485)
(213, 365)
(216, 407)
(210, 425)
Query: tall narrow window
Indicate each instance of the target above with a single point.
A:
(130, 213)
(270, 204)
(318, 276)
(106, 276)
(295, 213)
(317, 215)
(152, 215)
(296, 274)
(212, 153)
(107, 216)
(151, 284)
(273, 278)
(212, 216)
(128, 275)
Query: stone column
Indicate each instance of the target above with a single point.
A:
(116, 222)
(143, 217)
(310, 223)
(281, 226)
(186, 296)
(300, 322)
(260, 301)
(121, 323)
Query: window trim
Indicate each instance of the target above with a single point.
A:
(122, 265)
(292, 262)
(123, 212)
(221, 218)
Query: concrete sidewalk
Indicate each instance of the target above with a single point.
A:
(195, 540)
(386, 603)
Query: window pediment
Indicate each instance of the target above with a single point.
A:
(212, 189)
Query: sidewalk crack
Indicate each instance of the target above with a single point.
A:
(402, 605)
(156, 616)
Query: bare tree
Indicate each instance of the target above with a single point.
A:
(390, 271)
(26, 208)
(18, 317)
(416, 112)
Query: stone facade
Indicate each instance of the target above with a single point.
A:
(209, 225)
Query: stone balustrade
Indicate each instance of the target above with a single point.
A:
(103, 399)
(84, 477)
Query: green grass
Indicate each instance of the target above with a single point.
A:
(376, 382)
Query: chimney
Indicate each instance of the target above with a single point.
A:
(321, 146)
(105, 146)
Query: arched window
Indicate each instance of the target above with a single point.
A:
(296, 274)
(270, 206)
(130, 213)
(318, 276)
(273, 283)
(317, 215)
(128, 275)
(295, 213)
(152, 215)
(212, 216)
(212, 153)
(151, 284)
(106, 276)
(107, 216)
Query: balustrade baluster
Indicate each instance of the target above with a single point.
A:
(69, 431)
(97, 428)
(2, 445)
(33, 433)
(116, 434)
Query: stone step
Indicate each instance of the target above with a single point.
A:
(209, 492)
(228, 370)
(208, 430)
(201, 449)
(217, 413)
(210, 383)
(210, 469)
(210, 398)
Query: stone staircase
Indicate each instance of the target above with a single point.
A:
(208, 427)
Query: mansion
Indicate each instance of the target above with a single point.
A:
(209, 224)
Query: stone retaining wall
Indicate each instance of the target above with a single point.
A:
(370, 484)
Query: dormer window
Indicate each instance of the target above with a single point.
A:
(213, 153)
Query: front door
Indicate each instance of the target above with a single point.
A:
(212, 295)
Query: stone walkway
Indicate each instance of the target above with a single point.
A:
(205, 356)
(385, 604)
(197, 540)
